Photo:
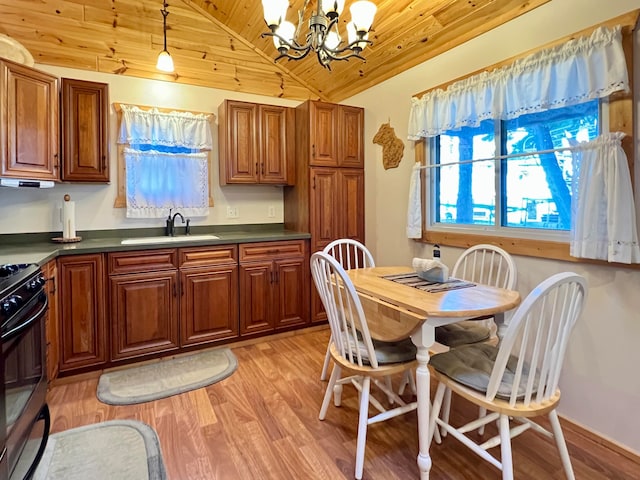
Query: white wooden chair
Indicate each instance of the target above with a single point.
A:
(354, 352)
(350, 254)
(488, 265)
(518, 380)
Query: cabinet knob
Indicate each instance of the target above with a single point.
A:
(313, 150)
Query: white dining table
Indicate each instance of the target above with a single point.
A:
(395, 311)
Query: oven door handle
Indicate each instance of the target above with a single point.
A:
(26, 324)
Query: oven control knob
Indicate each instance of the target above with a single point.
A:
(6, 307)
(11, 304)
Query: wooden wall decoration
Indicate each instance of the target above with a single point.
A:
(392, 146)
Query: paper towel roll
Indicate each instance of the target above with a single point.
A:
(68, 219)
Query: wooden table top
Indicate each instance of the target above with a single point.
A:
(394, 311)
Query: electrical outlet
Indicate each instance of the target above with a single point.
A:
(271, 211)
(232, 212)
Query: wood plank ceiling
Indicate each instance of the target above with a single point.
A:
(218, 43)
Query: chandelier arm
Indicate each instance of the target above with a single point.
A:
(345, 57)
(293, 46)
(301, 18)
(350, 46)
(290, 57)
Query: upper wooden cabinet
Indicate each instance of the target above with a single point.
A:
(29, 123)
(256, 143)
(85, 131)
(336, 134)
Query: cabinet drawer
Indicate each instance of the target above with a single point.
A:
(260, 251)
(204, 256)
(142, 261)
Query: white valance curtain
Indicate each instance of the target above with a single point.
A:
(579, 70)
(603, 213)
(166, 162)
(172, 129)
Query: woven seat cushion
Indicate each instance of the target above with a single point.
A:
(389, 352)
(471, 365)
(462, 333)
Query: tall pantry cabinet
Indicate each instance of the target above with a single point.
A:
(327, 199)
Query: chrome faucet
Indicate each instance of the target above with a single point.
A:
(171, 220)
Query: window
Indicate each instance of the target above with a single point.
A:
(491, 124)
(509, 195)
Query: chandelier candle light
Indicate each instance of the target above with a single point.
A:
(165, 62)
(323, 37)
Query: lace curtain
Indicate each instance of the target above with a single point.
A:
(158, 181)
(603, 213)
(166, 162)
(579, 70)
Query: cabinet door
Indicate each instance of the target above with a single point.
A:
(351, 145)
(325, 211)
(29, 122)
(290, 292)
(85, 131)
(323, 134)
(351, 204)
(50, 271)
(82, 311)
(238, 142)
(255, 297)
(209, 304)
(275, 145)
(144, 313)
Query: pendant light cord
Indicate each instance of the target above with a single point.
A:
(164, 12)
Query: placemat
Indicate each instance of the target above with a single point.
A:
(413, 280)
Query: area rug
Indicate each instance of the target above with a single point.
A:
(166, 377)
(117, 449)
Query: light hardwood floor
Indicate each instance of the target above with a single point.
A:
(262, 423)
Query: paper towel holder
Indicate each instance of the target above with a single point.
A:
(64, 239)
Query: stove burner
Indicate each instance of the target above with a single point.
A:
(11, 268)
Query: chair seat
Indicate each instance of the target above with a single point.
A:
(471, 365)
(390, 352)
(462, 333)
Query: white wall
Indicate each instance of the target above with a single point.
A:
(600, 384)
(33, 210)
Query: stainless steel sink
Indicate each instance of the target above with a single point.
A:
(165, 239)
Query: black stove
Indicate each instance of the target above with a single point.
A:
(24, 415)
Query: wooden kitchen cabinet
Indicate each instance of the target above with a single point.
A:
(83, 329)
(209, 294)
(274, 286)
(336, 134)
(50, 272)
(327, 199)
(85, 131)
(256, 143)
(29, 123)
(144, 304)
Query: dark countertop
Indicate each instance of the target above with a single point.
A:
(38, 248)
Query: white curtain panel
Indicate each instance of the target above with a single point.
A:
(577, 71)
(172, 129)
(414, 212)
(603, 212)
(158, 181)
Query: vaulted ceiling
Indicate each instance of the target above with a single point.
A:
(218, 43)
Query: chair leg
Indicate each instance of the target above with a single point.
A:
(335, 375)
(387, 381)
(446, 409)
(482, 412)
(505, 447)
(362, 427)
(435, 413)
(562, 445)
(325, 365)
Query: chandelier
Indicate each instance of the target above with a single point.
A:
(323, 37)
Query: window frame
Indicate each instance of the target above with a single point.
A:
(620, 118)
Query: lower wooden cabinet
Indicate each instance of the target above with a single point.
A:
(144, 305)
(274, 291)
(144, 312)
(209, 294)
(83, 329)
(167, 299)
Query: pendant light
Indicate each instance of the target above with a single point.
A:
(165, 62)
